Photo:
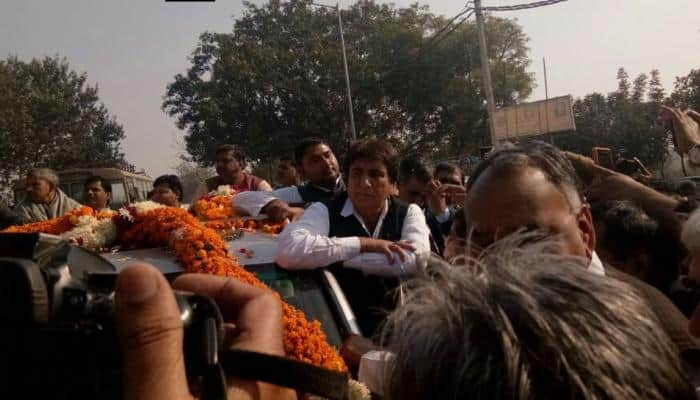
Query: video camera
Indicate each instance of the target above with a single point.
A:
(58, 336)
(59, 340)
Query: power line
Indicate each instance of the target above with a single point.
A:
(435, 40)
(451, 21)
(525, 6)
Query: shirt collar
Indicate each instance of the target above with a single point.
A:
(339, 186)
(596, 266)
(349, 210)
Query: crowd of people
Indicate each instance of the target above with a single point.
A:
(541, 274)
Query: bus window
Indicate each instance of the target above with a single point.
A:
(118, 194)
(76, 191)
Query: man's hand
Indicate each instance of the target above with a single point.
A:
(618, 186)
(436, 199)
(453, 194)
(151, 333)
(354, 346)
(278, 211)
(686, 127)
(587, 170)
(369, 245)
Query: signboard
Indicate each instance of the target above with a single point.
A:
(532, 119)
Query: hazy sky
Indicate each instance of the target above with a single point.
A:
(133, 48)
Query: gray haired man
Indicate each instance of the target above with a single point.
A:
(43, 200)
(523, 323)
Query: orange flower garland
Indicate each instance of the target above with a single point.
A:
(214, 207)
(217, 212)
(54, 226)
(245, 224)
(202, 250)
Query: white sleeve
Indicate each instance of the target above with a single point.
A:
(415, 229)
(304, 244)
(289, 195)
(252, 201)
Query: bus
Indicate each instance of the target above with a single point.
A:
(127, 187)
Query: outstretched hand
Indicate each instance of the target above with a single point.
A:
(279, 211)
(686, 127)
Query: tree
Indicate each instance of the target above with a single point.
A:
(686, 92)
(657, 93)
(279, 76)
(639, 88)
(50, 117)
(624, 120)
(191, 176)
(623, 84)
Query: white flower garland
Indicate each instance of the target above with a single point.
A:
(223, 190)
(92, 233)
(98, 233)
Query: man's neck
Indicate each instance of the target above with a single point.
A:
(50, 198)
(330, 184)
(235, 180)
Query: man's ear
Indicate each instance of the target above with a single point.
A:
(300, 171)
(587, 229)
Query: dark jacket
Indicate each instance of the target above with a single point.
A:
(672, 320)
(369, 296)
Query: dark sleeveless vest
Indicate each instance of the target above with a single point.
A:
(311, 193)
(370, 297)
(250, 183)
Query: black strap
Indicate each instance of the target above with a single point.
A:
(285, 372)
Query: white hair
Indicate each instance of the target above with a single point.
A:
(46, 174)
(522, 323)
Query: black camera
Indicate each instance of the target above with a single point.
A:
(58, 338)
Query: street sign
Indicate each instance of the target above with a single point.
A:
(536, 118)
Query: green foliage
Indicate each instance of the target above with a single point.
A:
(50, 117)
(279, 76)
(625, 120)
(687, 90)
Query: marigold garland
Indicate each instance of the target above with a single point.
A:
(251, 225)
(217, 212)
(202, 250)
(54, 226)
(214, 207)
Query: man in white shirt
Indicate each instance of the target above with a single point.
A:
(317, 164)
(370, 238)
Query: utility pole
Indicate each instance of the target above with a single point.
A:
(546, 101)
(345, 66)
(347, 74)
(485, 71)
